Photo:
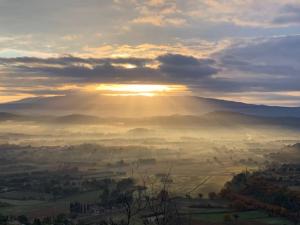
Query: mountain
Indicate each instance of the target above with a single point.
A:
(77, 119)
(4, 116)
(218, 119)
(139, 106)
(224, 119)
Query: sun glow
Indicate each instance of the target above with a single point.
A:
(140, 89)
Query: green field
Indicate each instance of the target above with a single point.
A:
(34, 208)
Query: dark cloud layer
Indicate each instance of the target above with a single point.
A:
(274, 56)
(290, 14)
(263, 65)
(173, 68)
(187, 67)
(67, 60)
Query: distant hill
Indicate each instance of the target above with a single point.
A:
(139, 106)
(295, 147)
(220, 119)
(4, 116)
(77, 119)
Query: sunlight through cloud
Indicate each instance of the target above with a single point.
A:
(141, 89)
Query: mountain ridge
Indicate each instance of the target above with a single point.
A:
(220, 119)
(139, 106)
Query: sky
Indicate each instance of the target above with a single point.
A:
(241, 50)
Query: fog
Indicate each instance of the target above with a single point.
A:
(185, 152)
(48, 162)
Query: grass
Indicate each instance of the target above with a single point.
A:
(34, 208)
(25, 195)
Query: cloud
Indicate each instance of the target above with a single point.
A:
(268, 65)
(196, 48)
(274, 56)
(75, 70)
(263, 64)
(187, 67)
(72, 29)
(159, 13)
(259, 64)
(289, 14)
(70, 60)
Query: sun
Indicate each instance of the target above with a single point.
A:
(140, 89)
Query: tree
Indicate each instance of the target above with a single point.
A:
(23, 219)
(212, 195)
(125, 184)
(236, 217)
(126, 200)
(37, 221)
(227, 218)
(61, 219)
(3, 220)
